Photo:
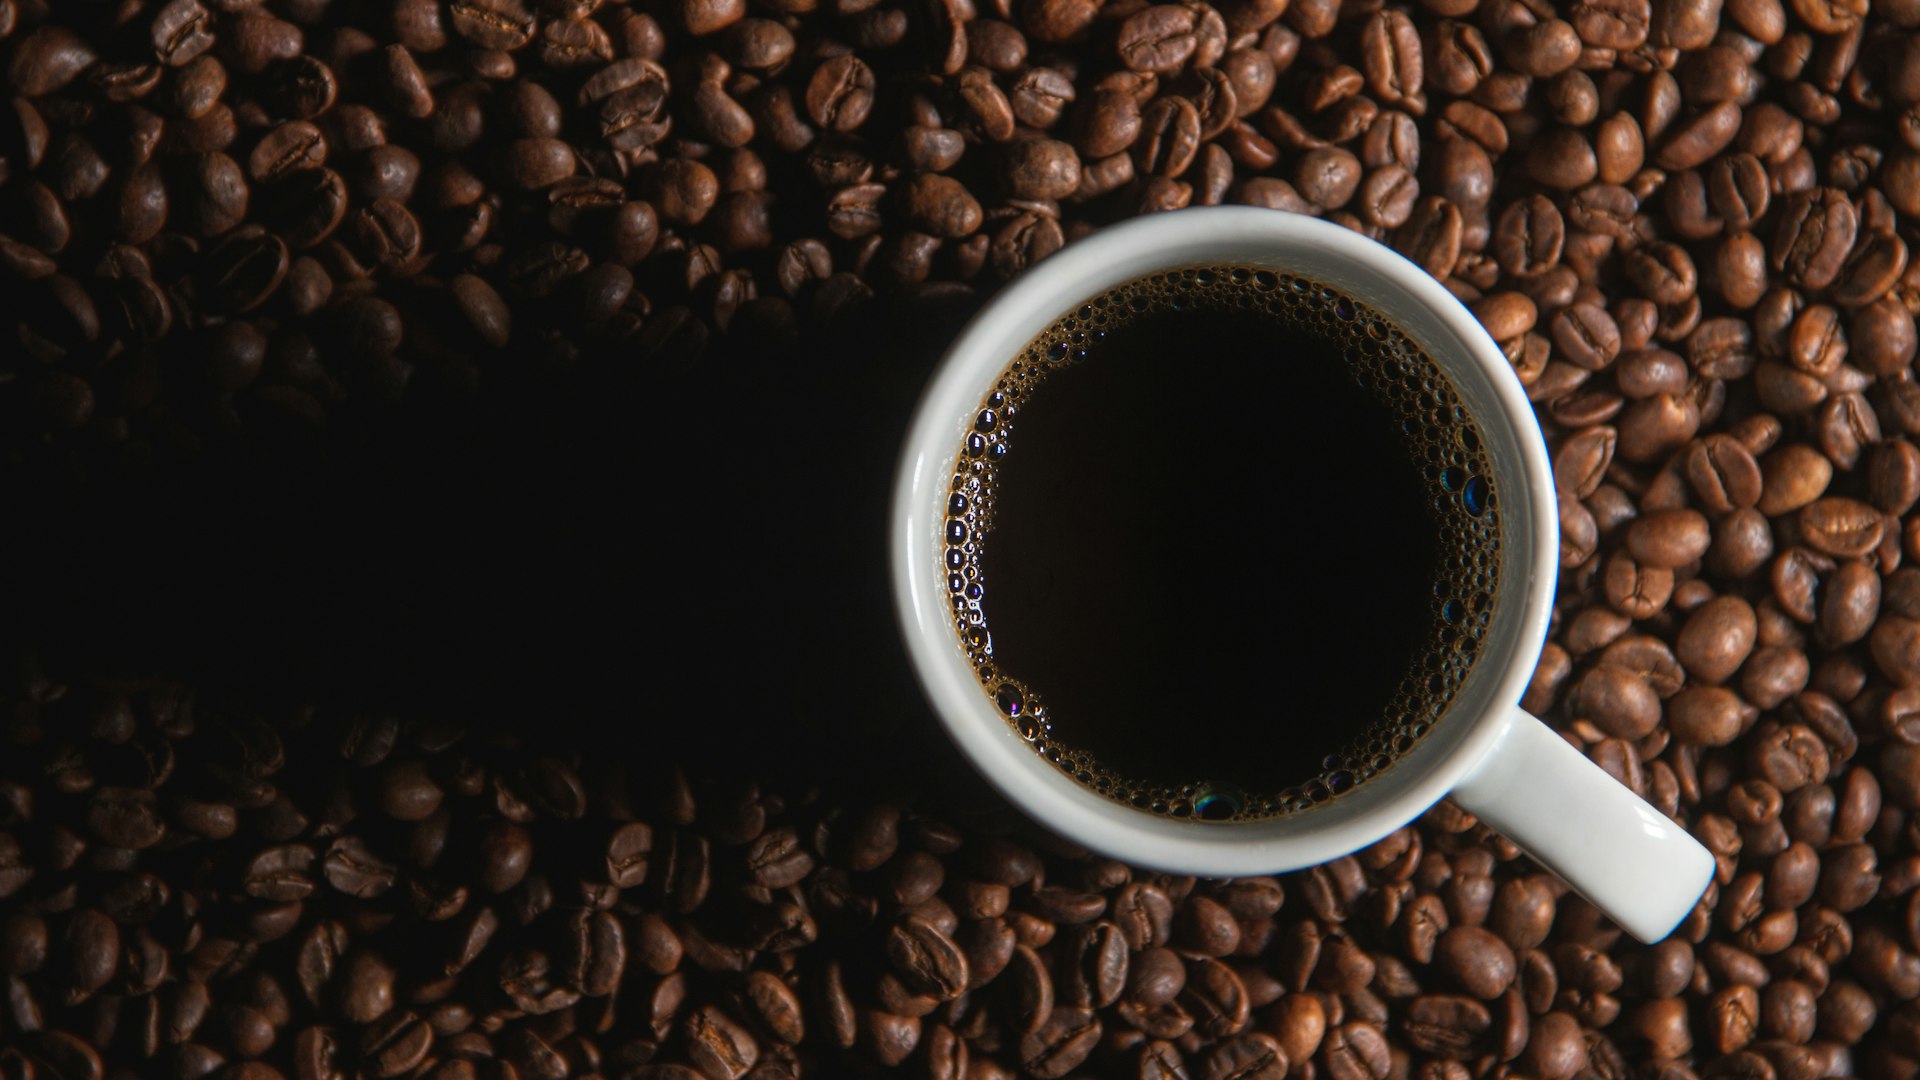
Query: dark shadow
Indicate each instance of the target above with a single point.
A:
(679, 566)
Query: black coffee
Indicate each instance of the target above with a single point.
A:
(1222, 543)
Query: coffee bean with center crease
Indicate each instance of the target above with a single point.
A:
(289, 147)
(1529, 236)
(492, 24)
(1841, 527)
(593, 955)
(396, 1044)
(1723, 474)
(840, 93)
(355, 869)
(182, 31)
(776, 859)
(306, 206)
(1816, 231)
(1061, 1044)
(386, 235)
(1215, 997)
(1169, 137)
(1158, 39)
(281, 873)
(1357, 1051)
(719, 1045)
(928, 959)
(125, 817)
(1387, 196)
(1028, 989)
(1445, 1025)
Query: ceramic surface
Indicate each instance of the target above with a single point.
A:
(1628, 858)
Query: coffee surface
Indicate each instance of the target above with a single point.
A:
(1218, 537)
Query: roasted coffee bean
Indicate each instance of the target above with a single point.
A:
(1155, 977)
(840, 93)
(281, 873)
(1203, 926)
(213, 196)
(1357, 1051)
(1528, 237)
(1841, 527)
(941, 206)
(1816, 231)
(1040, 169)
(1328, 177)
(1029, 990)
(1668, 538)
(353, 868)
(490, 319)
(1561, 159)
(182, 31)
(986, 106)
(1040, 97)
(1107, 124)
(1387, 196)
(531, 164)
(90, 951)
(776, 859)
(1169, 137)
(1215, 997)
(492, 24)
(927, 958)
(1162, 193)
(387, 236)
(363, 986)
(1477, 960)
(1061, 1044)
(1249, 1056)
(396, 1044)
(1619, 701)
(1460, 57)
(1717, 638)
(1158, 39)
(718, 1045)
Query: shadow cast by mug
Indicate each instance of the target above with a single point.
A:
(678, 566)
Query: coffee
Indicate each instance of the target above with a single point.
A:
(1221, 543)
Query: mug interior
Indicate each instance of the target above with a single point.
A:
(1420, 306)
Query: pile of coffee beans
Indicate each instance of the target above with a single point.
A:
(225, 224)
(201, 886)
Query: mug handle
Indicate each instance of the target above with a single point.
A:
(1633, 862)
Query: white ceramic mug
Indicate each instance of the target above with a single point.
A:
(1499, 763)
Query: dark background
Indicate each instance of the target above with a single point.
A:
(695, 555)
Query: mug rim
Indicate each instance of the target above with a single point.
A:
(1179, 239)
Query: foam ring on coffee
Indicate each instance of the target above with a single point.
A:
(1453, 465)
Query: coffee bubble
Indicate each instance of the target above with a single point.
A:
(1437, 431)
